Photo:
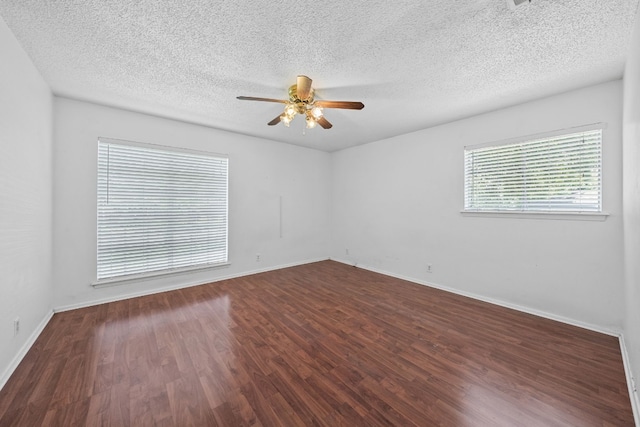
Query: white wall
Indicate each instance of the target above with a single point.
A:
(25, 201)
(260, 172)
(396, 207)
(631, 203)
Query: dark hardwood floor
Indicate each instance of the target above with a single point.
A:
(322, 344)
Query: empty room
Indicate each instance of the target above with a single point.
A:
(411, 213)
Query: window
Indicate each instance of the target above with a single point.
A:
(159, 209)
(556, 174)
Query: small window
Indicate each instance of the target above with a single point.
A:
(558, 174)
(159, 209)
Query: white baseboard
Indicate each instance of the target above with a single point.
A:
(179, 286)
(524, 309)
(24, 349)
(633, 393)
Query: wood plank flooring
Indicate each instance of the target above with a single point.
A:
(322, 344)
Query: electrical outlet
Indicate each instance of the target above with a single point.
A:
(429, 268)
(257, 257)
(16, 326)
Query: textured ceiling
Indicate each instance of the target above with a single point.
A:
(414, 63)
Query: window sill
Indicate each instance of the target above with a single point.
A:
(121, 280)
(571, 216)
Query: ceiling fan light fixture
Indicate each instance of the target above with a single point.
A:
(290, 110)
(311, 122)
(286, 119)
(316, 112)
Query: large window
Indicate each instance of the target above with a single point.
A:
(159, 209)
(557, 174)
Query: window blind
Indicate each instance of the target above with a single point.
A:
(159, 209)
(556, 174)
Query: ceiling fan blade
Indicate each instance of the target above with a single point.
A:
(303, 88)
(347, 105)
(274, 121)
(253, 98)
(324, 123)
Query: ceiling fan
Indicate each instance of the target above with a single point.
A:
(301, 101)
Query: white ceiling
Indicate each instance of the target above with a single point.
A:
(414, 63)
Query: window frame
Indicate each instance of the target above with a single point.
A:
(527, 214)
(125, 278)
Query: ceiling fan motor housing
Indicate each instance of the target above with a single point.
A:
(293, 95)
